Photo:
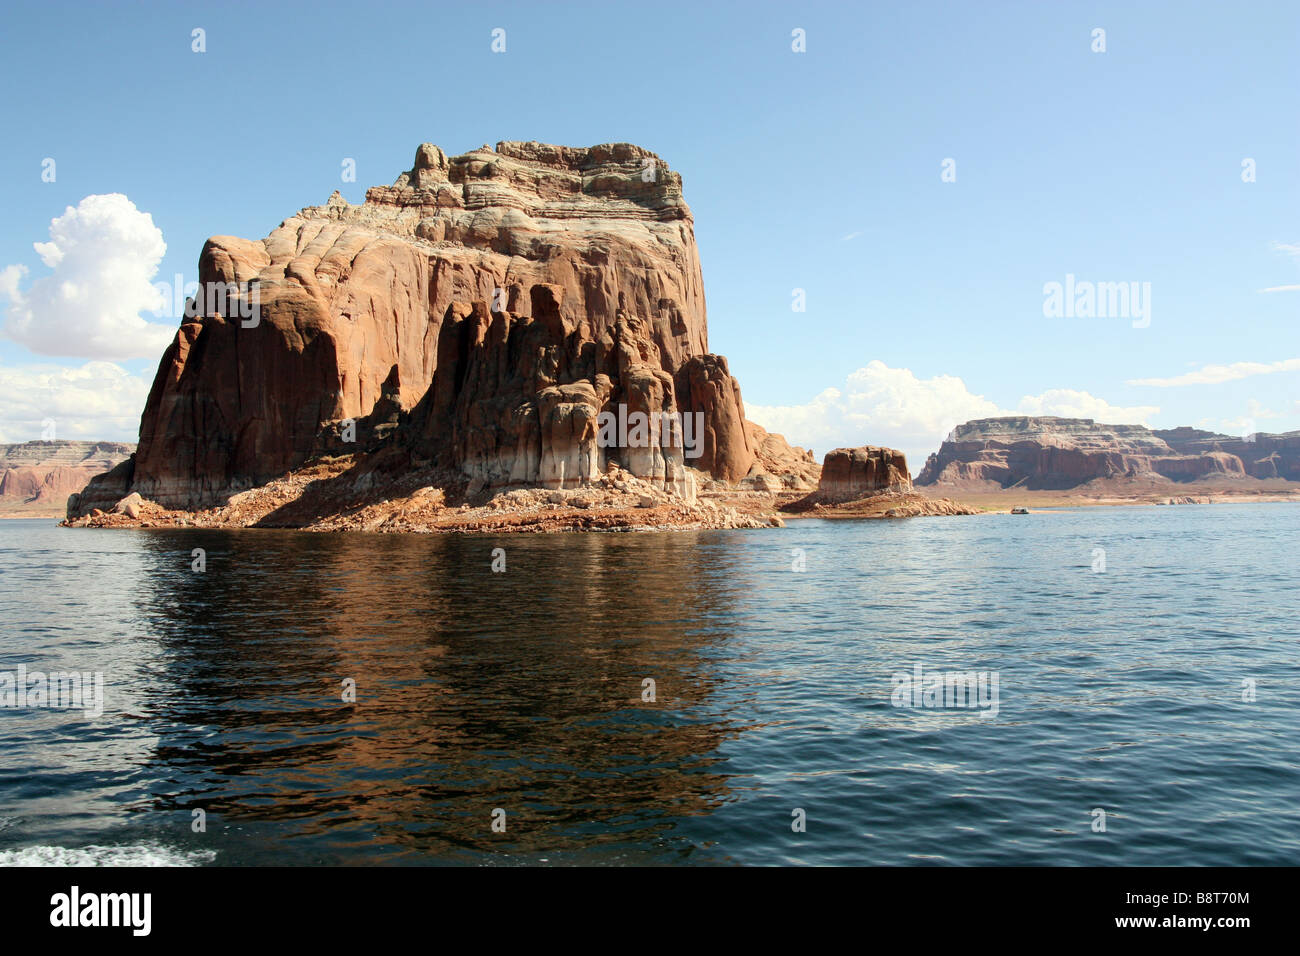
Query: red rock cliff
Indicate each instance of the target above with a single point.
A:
(506, 298)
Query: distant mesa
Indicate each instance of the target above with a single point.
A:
(40, 475)
(1061, 453)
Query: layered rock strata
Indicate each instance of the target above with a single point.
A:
(1262, 456)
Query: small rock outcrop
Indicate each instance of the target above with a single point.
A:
(868, 482)
(779, 466)
(851, 473)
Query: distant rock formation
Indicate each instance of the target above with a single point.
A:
(42, 474)
(869, 482)
(850, 473)
(1058, 453)
(487, 314)
(1262, 456)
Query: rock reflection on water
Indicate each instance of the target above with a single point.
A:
(522, 691)
(475, 690)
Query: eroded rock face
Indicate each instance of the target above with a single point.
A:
(851, 473)
(102, 491)
(526, 399)
(505, 297)
(1057, 453)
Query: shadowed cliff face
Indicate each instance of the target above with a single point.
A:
(532, 286)
(1056, 453)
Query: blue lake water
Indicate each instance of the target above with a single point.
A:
(1118, 691)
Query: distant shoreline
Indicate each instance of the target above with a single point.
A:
(753, 506)
(1005, 499)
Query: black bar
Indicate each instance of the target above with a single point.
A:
(300, 906)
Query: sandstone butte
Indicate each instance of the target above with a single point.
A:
(869, 482)
(1065, 453)
(456, 336)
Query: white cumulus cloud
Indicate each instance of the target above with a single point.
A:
(99, 401)
(880, 405)
(1069, 403)
(102, 255)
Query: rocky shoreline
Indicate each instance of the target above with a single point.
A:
(344, 494)
(358, 493)
(1115, 495)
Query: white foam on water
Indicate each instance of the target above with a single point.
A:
(140, 854)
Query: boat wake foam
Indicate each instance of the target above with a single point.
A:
(140, 854)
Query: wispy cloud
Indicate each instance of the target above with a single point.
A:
(1291, 249)
(852, 235)
(1218, 374)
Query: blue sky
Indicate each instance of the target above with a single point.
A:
(818, 171)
